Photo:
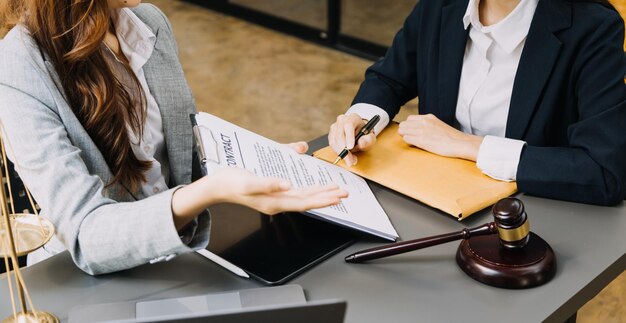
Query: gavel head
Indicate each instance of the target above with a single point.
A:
(512, 223)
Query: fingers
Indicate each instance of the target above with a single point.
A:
(353, 124)
(406, 130)
(314, 190)
(343, 131)
(348, 130)
(323, 200)
(259, 185)
(307, 199)
(332, 136)
(326, 188)
(298, 205)
(366, 142)
(304, 147)
(313, 198)
(413, 127)
(295, 199)
(417, 120)
(300, 147)
(350, 159)
(339, 137)
(309, 190)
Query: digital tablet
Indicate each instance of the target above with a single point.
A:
(273, 249)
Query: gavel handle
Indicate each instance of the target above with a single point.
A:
(411, 245)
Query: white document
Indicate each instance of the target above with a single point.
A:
(223, 144)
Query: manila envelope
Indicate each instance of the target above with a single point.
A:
(454, 186)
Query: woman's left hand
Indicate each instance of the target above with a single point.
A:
(429, 133)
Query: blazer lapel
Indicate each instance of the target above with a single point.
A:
(452, 41)
(168, 87)
(540, 53)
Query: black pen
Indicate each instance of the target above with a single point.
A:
(367, 128)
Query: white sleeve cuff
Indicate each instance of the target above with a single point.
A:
(368, 111)
(499, 157)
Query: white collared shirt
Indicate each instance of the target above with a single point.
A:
(492, 55)
(137, 44)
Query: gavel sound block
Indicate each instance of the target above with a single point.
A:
(514, 258)
(503, 253)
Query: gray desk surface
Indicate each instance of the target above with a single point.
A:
(423, 286)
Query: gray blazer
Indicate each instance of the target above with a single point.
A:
(104, 228)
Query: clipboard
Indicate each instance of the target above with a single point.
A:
(454, 186)
(207, 149)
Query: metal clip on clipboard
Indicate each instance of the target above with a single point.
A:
(206, 146)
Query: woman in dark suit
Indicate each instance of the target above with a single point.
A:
(532, 90)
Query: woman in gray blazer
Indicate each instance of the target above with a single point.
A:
(96, 108)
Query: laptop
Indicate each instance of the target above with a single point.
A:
(271, 304)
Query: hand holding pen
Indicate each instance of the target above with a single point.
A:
(344, 138)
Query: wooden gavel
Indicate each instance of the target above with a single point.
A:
(510, 223)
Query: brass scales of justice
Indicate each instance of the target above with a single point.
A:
(20, 233)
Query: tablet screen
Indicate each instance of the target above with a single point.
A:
(273, 249)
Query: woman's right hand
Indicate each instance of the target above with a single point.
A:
(342, 134)
(272, 195)
(237, 185)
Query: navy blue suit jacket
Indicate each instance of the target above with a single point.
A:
(568, 101)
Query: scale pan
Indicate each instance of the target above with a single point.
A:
(30, 232)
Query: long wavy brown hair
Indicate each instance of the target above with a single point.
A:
(71, 34)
